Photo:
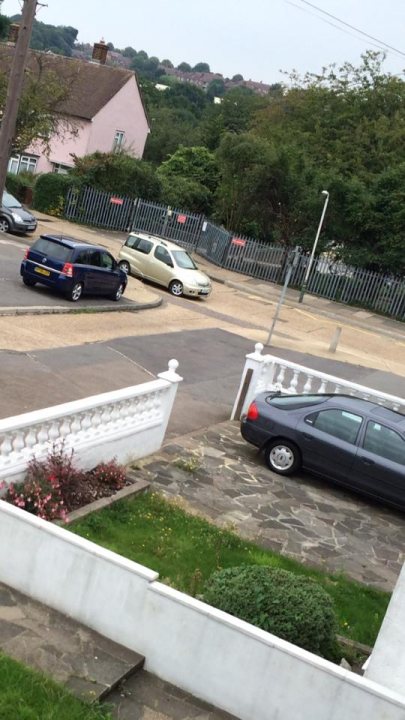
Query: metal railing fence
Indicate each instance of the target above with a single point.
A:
(380, 292)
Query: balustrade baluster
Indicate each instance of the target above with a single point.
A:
(6, 449)
(308, 385)
(294, 382)
(280, 378)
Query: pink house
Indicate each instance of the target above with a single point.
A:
(104, 109)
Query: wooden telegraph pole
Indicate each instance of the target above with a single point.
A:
(15, 87)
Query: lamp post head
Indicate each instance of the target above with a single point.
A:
(325, 192)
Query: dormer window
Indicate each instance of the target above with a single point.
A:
(119, 138)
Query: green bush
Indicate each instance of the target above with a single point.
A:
(293, 607)
(50, 192)
(17, 184)
(119, 173)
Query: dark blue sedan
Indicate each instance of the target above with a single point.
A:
(73, 268)
(350, 441)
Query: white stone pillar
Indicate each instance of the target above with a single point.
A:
(250, 376)
(386, 664)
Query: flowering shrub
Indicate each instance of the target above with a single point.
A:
(55, 486)
(110, 475)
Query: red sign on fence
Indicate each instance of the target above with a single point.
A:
(116, 201)
(238, 241)
(181, 219)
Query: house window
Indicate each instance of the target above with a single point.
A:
(60, 168)
(119, 138)
(22, 163)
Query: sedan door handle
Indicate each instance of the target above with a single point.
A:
(307, 437)
(366, 461)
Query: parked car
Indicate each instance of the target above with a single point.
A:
(13, 217)
(164, 263)
(73, 268)
(345, 439)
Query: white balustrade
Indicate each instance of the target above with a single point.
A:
(126, 424)
(267, 372)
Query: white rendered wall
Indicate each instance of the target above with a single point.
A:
(216, 657)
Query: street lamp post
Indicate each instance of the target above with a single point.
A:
(311, 259)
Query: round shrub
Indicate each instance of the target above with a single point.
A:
(293, 607)
(50, 192)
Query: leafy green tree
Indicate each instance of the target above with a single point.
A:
(196, 163)
(216, 88)
(4, 24)
(119, 173)
(189, 178)
(184, 67)
(237, 78)
(167, 63)
(170, 127)
(185, 193)
(39, 118)
(202, 67)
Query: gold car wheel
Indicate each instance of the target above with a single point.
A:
(176, 288)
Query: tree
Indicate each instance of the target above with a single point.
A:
(184, 67)
(189, 178)
(119, 173)
(196, 163)
(167, 63)
(202, 67)
(39, 117)
(216, 88)
(237, 78)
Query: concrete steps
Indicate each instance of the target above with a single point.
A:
(86, 663)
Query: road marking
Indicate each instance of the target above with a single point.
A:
(13, 242)
(338, 321)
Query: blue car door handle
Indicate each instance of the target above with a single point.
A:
(307, 437)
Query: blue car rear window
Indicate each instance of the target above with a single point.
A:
(53, 250)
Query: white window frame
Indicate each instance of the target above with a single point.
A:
(119, 139)
(60, 168)
(29, 160)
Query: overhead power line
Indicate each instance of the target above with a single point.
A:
(332, 24)
(352, 27)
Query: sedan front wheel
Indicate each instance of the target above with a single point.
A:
(282, 456)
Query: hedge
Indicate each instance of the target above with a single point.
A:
(293, 607)
(50, 192)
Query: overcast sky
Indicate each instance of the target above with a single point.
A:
(254, 37)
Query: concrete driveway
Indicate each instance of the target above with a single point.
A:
(305, 518)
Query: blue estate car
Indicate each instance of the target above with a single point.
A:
(73, 268)
(348, 440)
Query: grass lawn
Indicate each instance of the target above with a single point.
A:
(185, 549)
(28, 695)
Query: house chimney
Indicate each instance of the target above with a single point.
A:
(13, 33)
(100, 51)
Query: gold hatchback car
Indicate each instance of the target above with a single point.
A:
(165, 263)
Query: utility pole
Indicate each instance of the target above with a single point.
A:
(15, 87)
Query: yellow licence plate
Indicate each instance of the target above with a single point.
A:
(41, 271)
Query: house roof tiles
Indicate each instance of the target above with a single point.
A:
(91, 85)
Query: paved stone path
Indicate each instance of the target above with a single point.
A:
(303, 517)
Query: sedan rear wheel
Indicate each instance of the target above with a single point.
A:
(282, 456)
(76, 292)
(4, 225)
(176, 288)
(28, 282)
